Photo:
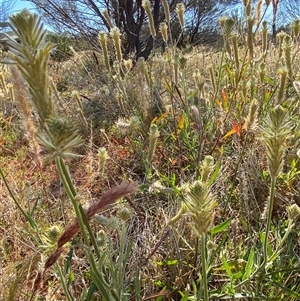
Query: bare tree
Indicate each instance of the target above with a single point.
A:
(289, 10)
(86, 17)
(5, 10)
(203, 16)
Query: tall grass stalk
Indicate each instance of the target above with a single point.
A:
(275, 131)
(204, 268)
(199, 204)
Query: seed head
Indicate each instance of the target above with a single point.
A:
(163, 28)
(147, 7)
(59, 138)
(115, 35)
(283, 72)
(3, 82)
(275, 131)
(126, 126)
(102, 154)
(102, 157)
(102, 37)
(124, 214)
(287, 46)
(295, 26)
(50, 238)
(107, 18)
(201, 204)
(293, 211)
(180, 9)
(127, 65)
(101, 238)
(153, 136)
(258, 11)
(206, 166)
(251, 119)
(166, 10)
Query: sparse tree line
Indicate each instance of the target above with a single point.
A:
(85, 18)
(88, 17)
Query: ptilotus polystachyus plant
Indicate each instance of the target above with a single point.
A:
(102, 158)
(227, 27)
(295, 26)
(3, 82)
(287, 45)
(276, 129)
(153, 136)
(265, 36)
(147, 7)
(107, 18)
(283, 73)
(102, 37)
(163, 28)
(258, 12)
(180, 9)
(57, 135)
(31, 57)
(251, 119)
(198, 201)
(115, 35)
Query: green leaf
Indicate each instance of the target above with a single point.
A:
(34, 206)
(91, 291)
(184, 298)
(194, 287)
(249, 265)
(215, 174)
(238, 275)
(71, 277)
(230, 73)
(221, 228)
(138, 285)
(168, 87)
(269, 80)
(159, 283)
(262, 237)
(227, 267)
(102, 289)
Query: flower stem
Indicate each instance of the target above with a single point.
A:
(67, 182)
(63, 282)
(204, 267)
(270, 210)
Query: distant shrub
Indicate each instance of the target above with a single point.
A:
(63, 44)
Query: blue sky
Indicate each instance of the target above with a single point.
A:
(20, 4)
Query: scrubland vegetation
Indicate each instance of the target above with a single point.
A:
(175, 178)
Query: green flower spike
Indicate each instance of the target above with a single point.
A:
(59, 137)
